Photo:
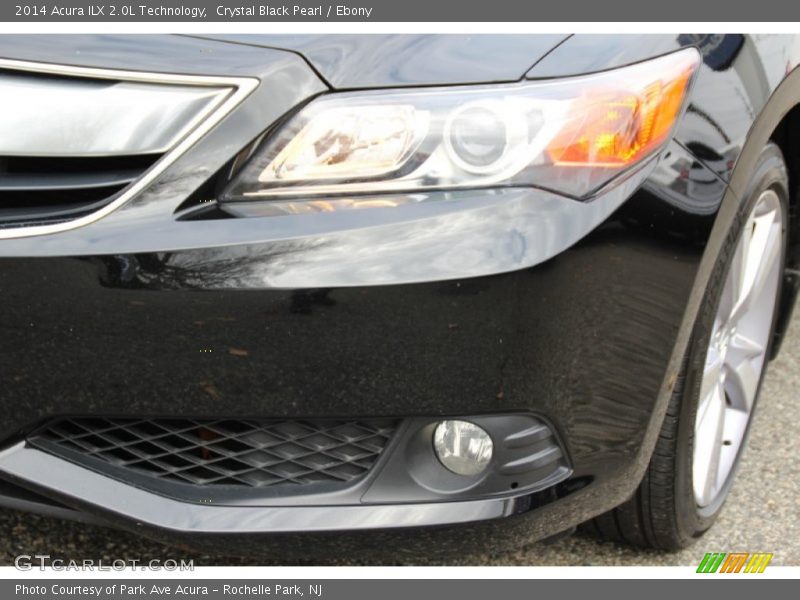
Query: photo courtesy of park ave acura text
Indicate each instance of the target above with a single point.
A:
(399, 299)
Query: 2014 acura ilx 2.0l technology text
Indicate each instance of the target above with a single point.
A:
(314, 293)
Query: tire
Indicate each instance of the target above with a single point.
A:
(664, 512)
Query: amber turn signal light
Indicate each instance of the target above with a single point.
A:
(618, 126)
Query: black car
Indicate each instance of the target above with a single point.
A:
(317, 292)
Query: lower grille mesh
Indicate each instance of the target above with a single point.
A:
(228, 452)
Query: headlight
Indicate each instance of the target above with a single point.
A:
(571, 136)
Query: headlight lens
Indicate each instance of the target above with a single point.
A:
(571, 136)
(342, 142)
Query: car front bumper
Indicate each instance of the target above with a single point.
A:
(583, 341)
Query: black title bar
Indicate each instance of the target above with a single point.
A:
(396, 11)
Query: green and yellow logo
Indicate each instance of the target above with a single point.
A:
(735, 562)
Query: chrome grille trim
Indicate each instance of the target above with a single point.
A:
(96, 117)
(240, 88)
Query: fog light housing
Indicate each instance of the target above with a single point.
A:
(462, 447)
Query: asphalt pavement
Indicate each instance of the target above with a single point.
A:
(761, 514)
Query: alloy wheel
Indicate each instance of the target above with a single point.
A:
(737, 349)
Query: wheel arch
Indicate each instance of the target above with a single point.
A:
(786, 136)
(779, 123)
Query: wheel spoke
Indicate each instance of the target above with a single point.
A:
(732, 436)
(708, 443)
(741, 380)
(712, 375)
(727, 301)
(746, 347)
(730, 302)
(756, 254)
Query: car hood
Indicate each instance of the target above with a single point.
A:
(364, 61)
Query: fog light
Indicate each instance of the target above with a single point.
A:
(462, 447)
